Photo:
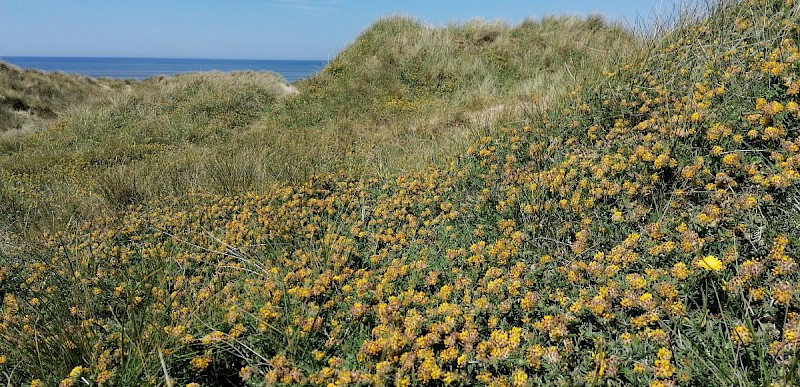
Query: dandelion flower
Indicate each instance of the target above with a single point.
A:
(77, 371)
(710, 263)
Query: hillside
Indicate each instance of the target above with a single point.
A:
(364, 114)
(158, 137)
(30, 98)
(405, 95)
(642, 231)
(31, 101)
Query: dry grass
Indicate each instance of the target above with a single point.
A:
(31, 99)
(642, 231)
(404, 96)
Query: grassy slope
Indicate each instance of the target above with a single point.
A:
(643, 233)
(405, 95)
(159, 137)
(30, 99)
(402, 96)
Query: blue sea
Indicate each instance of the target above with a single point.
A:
(143, 68)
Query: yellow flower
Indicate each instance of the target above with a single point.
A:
(680, 271)
(104, 377)
(781, 293)
(77, 371)
(741, 335)
(520, 378)
(662, 367)
(318, 355)
(710, 263)
(200, 363)
(773, 132)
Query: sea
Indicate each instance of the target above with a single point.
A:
(143, 68)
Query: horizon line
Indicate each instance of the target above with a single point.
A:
(154, 57)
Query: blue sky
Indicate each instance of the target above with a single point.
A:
(252, 29)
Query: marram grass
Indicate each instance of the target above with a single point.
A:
(643, 233)
(30, 99)
(404, 96)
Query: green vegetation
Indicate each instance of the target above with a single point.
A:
(158, 137)
(641, 230)
(31, 99)
(30, 102)
(403, 96)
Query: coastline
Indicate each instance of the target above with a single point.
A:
(143, 68)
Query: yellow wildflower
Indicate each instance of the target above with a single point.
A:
(680, 271)
(520, 378)
(77, 371)
(710, 263)
(200, 363)
(662, 367)
(741, 335)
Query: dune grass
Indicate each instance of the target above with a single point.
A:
(31, 102)
(405, 95)
(402, 97)
(31, 99)
(155, 138)
(643, 231)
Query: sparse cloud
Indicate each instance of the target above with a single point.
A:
(311, 6)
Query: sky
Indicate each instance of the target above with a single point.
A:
(254, 29)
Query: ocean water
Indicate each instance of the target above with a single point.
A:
(143, 68)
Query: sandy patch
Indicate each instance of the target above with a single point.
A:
(288, 89)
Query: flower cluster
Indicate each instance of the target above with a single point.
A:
(603, 244)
